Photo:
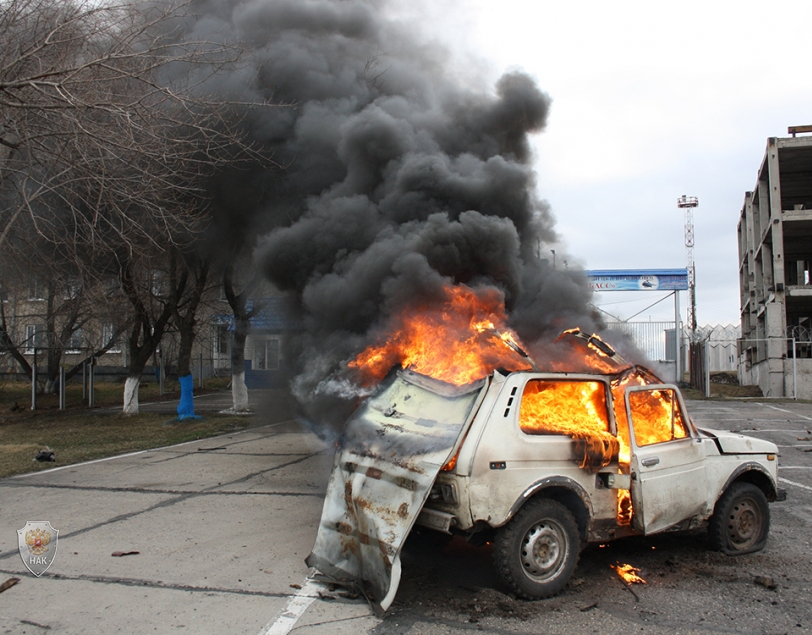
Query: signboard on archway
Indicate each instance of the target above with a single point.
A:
(675, 280)
(638, 279)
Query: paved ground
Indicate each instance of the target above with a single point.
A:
(223, 525)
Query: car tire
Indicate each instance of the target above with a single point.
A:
(537, 551)
(741, 520)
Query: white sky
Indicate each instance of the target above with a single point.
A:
(650, 101)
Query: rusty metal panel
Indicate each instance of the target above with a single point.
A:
(391, 451)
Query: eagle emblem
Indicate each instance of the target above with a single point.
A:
(37, 542)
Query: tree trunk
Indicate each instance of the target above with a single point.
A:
(10, 346)
(53, 353)
(139, 356)
(242, 325)
(131, 395)
(186, 406)
(186, 323)
(239, 391)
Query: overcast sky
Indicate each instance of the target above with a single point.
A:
(650, 101)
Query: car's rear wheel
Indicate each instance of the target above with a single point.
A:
(740, 521)
(537, 551)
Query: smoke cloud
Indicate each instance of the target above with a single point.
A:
(397, 177)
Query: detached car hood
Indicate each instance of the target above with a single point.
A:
(734, 443)
(391, 450)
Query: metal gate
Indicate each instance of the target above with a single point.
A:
(655, 339)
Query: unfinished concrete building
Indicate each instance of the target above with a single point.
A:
(775, 254)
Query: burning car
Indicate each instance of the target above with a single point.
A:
(539, 463)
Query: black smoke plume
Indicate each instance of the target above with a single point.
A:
(397, 178)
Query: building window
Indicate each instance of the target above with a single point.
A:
(36, 288)
(107, 334)
(34, 337)
(73, 287)
(266, 354)
(272, 353)
(222, 338)
(74, 343)
(159, 284)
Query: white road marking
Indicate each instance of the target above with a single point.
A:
(297, 605)
(64, 467)
(794, 414)
(788, 482)
(165, 447)
(801, 431)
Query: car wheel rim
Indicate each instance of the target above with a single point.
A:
(744, 524)
(544, 550)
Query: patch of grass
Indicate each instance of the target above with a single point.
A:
(724, 390)
(105, 393)
(83, 436)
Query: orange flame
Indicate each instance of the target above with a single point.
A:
(574, 408)
(624, 507)
(459, 340)
(628, 573)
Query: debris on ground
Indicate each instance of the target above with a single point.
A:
(45, 627)
(492, 603)
(765, 581)
(118, 554)
(8, 584)
(45, 455)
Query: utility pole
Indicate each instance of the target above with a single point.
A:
(688, 203)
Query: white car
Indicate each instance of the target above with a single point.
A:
(539, 463)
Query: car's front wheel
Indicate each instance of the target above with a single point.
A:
(537, 551)
(740, 521)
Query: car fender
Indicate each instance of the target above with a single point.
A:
(559, 483)
(750, 466)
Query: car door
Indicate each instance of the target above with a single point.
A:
(668, 467)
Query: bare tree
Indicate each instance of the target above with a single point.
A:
(104, 122)
(109, 135)
(153, 294)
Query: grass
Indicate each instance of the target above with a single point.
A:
(78, 434)
(724, 385)
(105, 393)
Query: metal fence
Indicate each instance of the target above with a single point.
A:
(649, 337)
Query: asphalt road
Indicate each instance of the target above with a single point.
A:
(222, 527)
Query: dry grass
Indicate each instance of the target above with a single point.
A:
(82, 436)
(105, 393)
(79, 434)
(724, 385)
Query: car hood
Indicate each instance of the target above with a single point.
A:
(391, 450)
(734, 443)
